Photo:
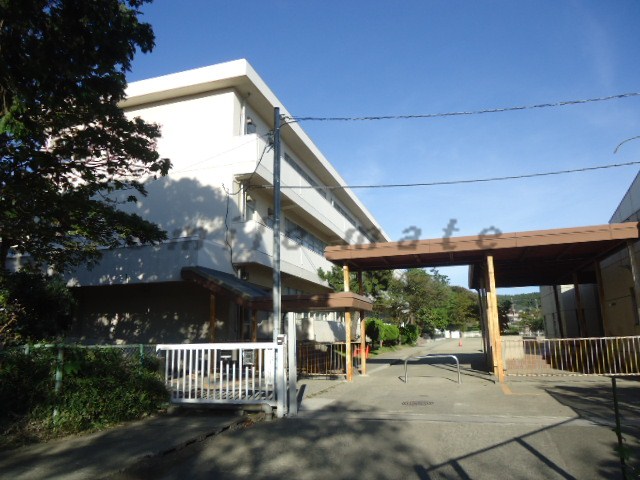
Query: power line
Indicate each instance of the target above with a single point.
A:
(625, 141)
(189, 167)
(458, 182)
(454, 114)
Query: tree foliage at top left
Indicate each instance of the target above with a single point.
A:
(68, 154)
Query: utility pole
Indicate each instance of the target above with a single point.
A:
(277, 280)
(282, 391)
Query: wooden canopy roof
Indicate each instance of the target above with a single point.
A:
(542, 257)
(258, 298)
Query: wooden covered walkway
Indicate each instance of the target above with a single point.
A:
(533, 258)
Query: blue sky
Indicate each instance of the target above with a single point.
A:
(358, 58)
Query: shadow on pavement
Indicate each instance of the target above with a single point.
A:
(92, 455)
(350, 446)
(595, 402)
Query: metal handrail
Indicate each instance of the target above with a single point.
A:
(432, 355)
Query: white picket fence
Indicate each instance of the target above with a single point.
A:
(222, 373)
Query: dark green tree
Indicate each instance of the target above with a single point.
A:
(504, 309)
(432, 319)
(463, 309)
(533, 319)
(68, 154)
(418, 297)
(424, 290)
(374, 283)
(33, 307)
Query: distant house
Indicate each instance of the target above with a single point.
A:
(610, 306)
(216, 205)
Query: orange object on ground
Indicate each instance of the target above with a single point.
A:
(357, 351)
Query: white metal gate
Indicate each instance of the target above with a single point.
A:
(223, 373)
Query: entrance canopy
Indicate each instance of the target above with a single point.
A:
(542, 257)
(252, 296)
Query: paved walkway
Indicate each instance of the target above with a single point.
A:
(101, 454)
(381, 426)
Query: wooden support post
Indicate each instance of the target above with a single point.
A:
(346, 278)
(635, 273)
(601, 301)
(240, 315)
(347, 328)
(254, 325)
(491, 363)
(582, 323)
(212, 318)
(490, 355)
(483, 323)
(363, 331)
(492, 298)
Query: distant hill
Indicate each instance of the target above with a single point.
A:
(522, 301)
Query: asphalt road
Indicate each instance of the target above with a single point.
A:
(381, 427)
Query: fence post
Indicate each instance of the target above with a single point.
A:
(621, 447)
(58, 384)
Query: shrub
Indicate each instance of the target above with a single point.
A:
(25, 382)
(511, 330)
(33, 307)
(105, 388)
(381, 332)
(409, 334)
(100, 387)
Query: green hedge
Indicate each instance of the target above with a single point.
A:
(100, 387)
(410, 334)
(382, 333)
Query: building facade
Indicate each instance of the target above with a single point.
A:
(609, 307)
(216, 206)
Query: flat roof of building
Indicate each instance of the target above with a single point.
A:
(240, 76)
(533, 258)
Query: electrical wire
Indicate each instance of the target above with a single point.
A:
(219, 154)
(458, 182)
(226, 229)
(623, 142)
(226, 213)
(267, 147)
(565, 103)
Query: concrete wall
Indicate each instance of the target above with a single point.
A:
(204, 137)
(620, 311)
(552, 326)
(143, 313)
(568, 311)
(629, 207)
(202, 205)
